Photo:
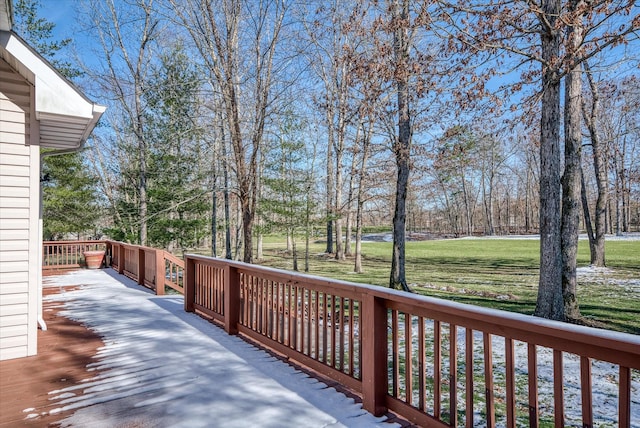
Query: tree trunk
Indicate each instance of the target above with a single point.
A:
(295, 255)
(214, 208)
(329, 180)
(349, 218)
(342, 92)
(142, 190)
(307, 228)
(401, 148)
(247, 228)
(626, 191)
(571, 180)
(338, 192)
(260, 247)
(587, 216)
(239, 229)
(549, 302)
(357, 268)
(527, 204)
(467, 205)
(227, 208)
(600, 169)
(618, 193)
(348, 251)
(488, 215)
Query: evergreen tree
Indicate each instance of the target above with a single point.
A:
(286, 202)
(37, 32)
(178, 196)
(70, 205)
(69, 189)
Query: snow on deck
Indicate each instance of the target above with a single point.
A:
(161, 366)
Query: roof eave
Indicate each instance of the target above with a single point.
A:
(67, 117)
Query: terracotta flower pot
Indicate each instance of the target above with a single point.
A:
(94, 259)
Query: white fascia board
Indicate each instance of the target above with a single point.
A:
(54, 94)
(57, 100)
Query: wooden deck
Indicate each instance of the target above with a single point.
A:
(64, 351)
(163, 362)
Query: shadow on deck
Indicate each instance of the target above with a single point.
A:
(157, 366)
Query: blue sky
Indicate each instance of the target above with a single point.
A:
(62, 13)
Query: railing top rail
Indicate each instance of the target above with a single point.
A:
(95, 241)
(130, 246)
(173, 259)
(286, 276)
(588, 341)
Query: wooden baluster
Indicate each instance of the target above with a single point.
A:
(325, 321)
(316, 315)
(488, 380)
(453, 375)
(408, 359)
(306, 321)
(532, 362)
(264, 301)
(437, 369)
(624, 397)
(468, 353)
(288, 307)
(395, 390)
(558, 390)
(510, 382)
(278, 308)
(341, 335)
(352, 338)
(586, 390)
(421, 365)
(334, 325)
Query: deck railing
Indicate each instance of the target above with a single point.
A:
(67, 254)
(434, 362)
(151, 267)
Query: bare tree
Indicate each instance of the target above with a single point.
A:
(591, 115)
(332, 39)
(126, 36)
(572, 177)
(569, 35)
(237, 41)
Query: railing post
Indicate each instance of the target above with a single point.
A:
(189, 283)
(231, 299)
(121, 255)
(108, 253)
(160, 272)
(141, 260)
(374, 355)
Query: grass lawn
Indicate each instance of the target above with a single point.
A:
(496, 273)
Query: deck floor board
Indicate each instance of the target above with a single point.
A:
(64, 351)
(156, 365)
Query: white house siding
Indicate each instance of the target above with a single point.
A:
(19, 206)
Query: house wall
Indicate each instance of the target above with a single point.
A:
(19, 212)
